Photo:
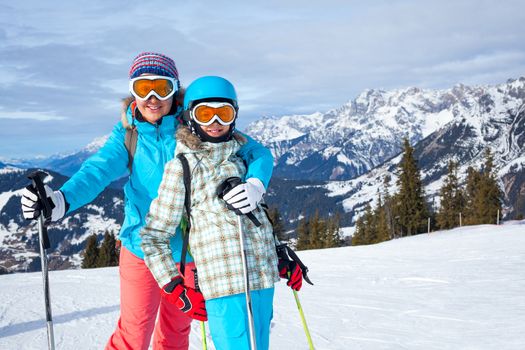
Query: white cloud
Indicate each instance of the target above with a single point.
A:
(41, 116)
(284, 57)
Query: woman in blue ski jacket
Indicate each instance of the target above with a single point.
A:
(153, 112)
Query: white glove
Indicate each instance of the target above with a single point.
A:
(31, 206)
(246, 196)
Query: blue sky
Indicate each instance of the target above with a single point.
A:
(64, 64)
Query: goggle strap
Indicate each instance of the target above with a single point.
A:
(133, 111)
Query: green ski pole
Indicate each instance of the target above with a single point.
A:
(303, 319)
(203, 334)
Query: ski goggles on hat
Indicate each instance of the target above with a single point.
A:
(206, 113)
(153, 85)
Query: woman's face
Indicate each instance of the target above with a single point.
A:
(216, 129)
(153, 109)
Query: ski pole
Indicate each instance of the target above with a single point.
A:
(45, 212)
(224, 188)
(247, 286)
(303, 319)
(284, 252)
(203, 334)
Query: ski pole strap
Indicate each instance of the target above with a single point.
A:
(252, 217)
(288, 252)
(37, 178)
(187, 206)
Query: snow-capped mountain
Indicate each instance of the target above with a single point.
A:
(495, 120)
(63, 163)
(344, 143)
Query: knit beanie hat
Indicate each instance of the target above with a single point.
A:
(153, 63)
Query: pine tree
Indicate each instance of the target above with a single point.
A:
(451, 198)
(315, 229)
(388, 204)
(316, 232)
(90, 253)
(365, 228)
(411, 206)
(483, 195)
(489, 194)
(303, 235)
(370, 222)
(471, 191)
(332, 237)
(358, 238)
(107, 255)
(382, 231)
(277, 223)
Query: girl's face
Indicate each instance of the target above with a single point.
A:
(153, 109)
(216, 129)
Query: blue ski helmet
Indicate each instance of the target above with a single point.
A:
(207, 89)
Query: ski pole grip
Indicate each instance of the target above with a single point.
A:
(226, 187)
(38, 181)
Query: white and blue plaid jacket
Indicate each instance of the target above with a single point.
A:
(214, 237)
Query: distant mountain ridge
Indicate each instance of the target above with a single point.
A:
(63, 163)
(347, 142)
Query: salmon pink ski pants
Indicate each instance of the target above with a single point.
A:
(139, 302)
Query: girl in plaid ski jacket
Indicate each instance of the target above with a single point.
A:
(214, 236)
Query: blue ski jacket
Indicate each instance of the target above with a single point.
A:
(155, 147)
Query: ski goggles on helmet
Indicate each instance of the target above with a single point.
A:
(206, 113)
(153, 85)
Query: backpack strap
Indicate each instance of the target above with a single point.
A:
(132, 134)
(187, 206)
(131, 145)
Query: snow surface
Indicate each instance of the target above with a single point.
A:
(457, 289)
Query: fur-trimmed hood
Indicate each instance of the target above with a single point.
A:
(126, 102)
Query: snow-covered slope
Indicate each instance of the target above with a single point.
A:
(458, 289)
(344, 143)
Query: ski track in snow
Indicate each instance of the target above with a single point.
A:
(458, 289)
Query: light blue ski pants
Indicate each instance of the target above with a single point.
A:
(228, 320)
